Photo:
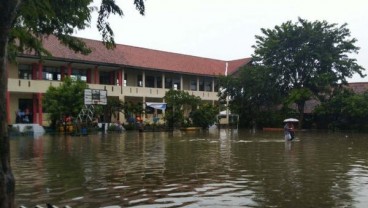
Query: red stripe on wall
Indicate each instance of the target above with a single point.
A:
(40, 113)
(96, 76)
(62, 73)
(69, 70)
(40, 67)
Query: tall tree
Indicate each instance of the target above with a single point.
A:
(23, 24)
(307, 57)
(251, 92)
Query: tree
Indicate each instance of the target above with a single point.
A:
(204, 116)
(181, 104)
(65, 100)
(23, 24)
(131, 110)
(251, 93)
(113, 107)
(343, 110)
(299, 96)
(307, 57)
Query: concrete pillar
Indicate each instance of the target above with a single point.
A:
(213, 84)
(143, 78)
(163, 81)
(181, 82)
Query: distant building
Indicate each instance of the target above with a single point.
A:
(357, 87)
(130, 73)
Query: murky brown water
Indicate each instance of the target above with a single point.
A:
(216, 169)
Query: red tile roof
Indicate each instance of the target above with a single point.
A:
(358, 87)
(149, 59)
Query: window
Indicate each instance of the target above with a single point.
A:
(168, 83)
(208, 85)
(176, 84)
(150, 81)
(193, 85)
(140, 81)
(201, 85)
(216, 86)
(159, 82)
(104, 77)
(125, 79)
(25, 72)
(79, 74)
(172, 83)
(50, 73)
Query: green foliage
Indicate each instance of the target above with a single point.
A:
(274, 118)
(250, 93)
(174, 117)
(23, 24)
(65, 100)
(130, 126)
(113, 107)
(181, 99)
(179, 104)
(204, 116)
(344, 110)
(299, 95)
(114, 128)
(306, 55)
(131, 110)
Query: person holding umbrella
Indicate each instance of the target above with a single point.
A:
(289, 128)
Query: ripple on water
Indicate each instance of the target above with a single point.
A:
(224, 170)
(120, 187)
(180, 194)
(165, 190)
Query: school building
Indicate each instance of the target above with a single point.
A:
(130, 73)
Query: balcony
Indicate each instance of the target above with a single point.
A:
(41, 86)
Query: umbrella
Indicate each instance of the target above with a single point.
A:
(291, 120)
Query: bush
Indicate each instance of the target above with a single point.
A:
(204, 116)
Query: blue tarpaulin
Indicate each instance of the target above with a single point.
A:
(161, 106)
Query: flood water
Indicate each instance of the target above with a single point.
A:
(208, 169)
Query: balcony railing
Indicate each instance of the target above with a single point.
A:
(41, 86)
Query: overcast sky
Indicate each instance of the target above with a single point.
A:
(225, 29)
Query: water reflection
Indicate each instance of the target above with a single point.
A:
(186, 169)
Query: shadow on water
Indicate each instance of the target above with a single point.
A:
(226, 168)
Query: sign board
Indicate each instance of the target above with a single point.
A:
(95, 97)
(160, 106)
